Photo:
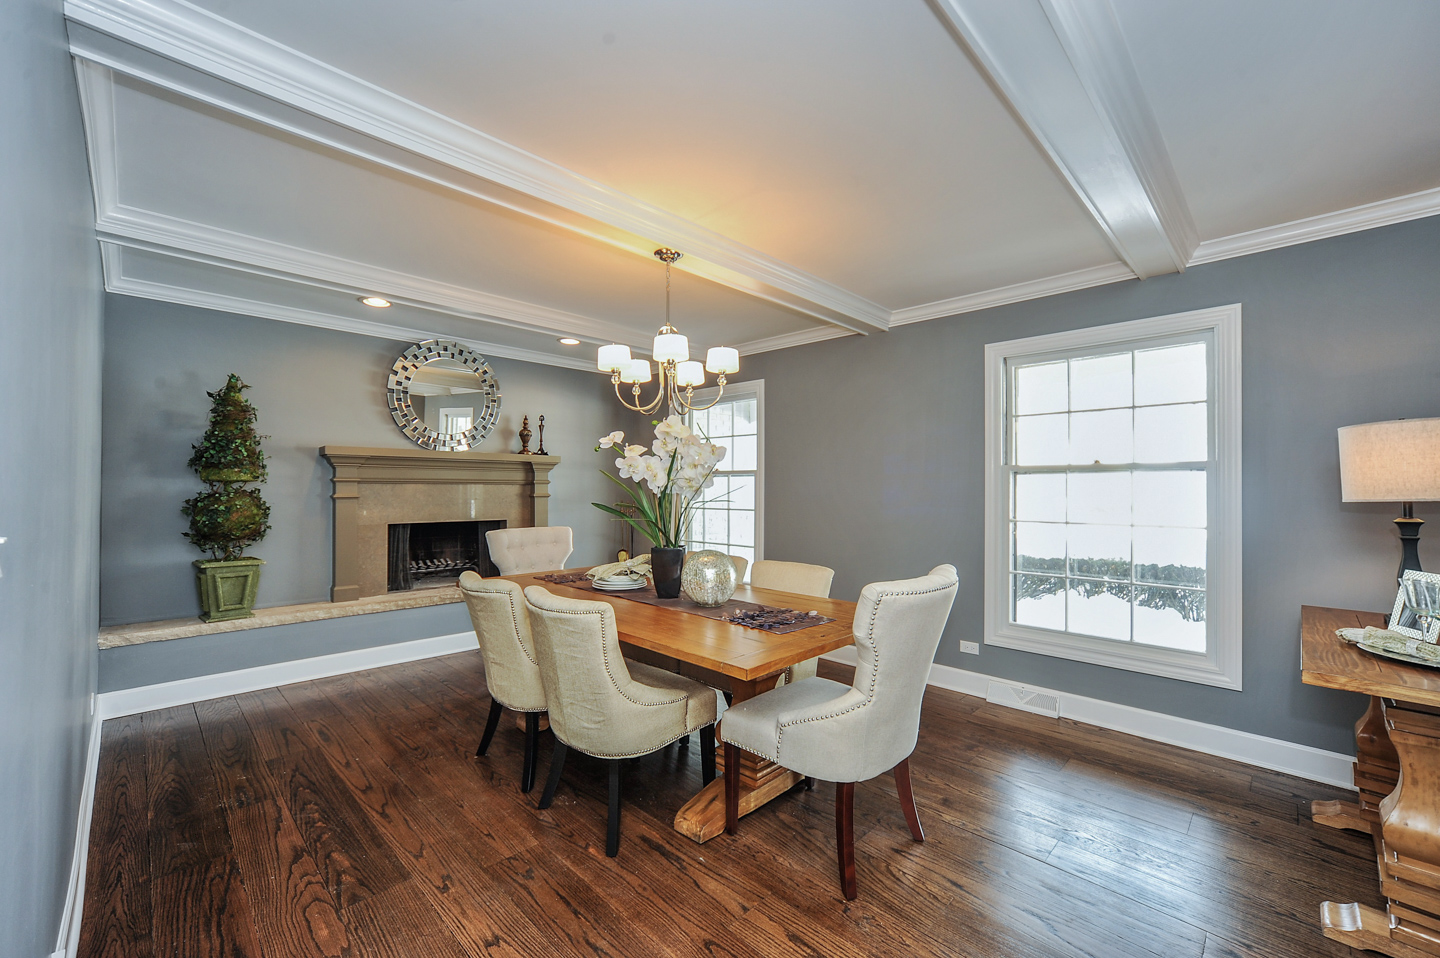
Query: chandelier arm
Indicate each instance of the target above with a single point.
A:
(693, 408)
(645, 409)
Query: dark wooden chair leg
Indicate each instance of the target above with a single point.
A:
(809, 783)
(612, 822)
(532, 736)
(491, 723)
(907, 800)
(557, 766)
(684, 742)
(845, 836)
(707, 754)
(732, 788)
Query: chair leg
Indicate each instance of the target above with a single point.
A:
(532, 736)
(907, 800)
(845, 836)
(809, 783)
(490, 725)
(612, 822)
(732, 788)
(557, 766)
(684, 742)
(707, 754)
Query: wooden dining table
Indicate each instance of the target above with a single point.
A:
(740, 661)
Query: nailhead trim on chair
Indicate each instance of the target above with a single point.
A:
(870, 694)
(605, 651)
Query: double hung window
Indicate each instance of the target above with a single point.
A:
(732, 519)
(1114, 498)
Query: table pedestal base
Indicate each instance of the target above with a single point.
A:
(1365, 929)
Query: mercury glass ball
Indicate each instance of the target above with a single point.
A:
(709, 578)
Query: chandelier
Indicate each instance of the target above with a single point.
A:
(671, 353)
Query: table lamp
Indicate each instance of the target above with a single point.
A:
(1393, 461)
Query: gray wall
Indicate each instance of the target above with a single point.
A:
(311, 387)
(49, 471)
(875, 457)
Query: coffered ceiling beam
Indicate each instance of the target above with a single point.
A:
(1065, 69)
(178, 34)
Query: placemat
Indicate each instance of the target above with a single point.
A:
(751, 615)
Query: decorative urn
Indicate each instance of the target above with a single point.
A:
(709, 578)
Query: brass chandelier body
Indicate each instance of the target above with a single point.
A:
(678, 375)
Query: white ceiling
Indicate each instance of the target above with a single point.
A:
(502, 170)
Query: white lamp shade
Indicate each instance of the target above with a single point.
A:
(722, 359)
(1393, 461)
(671, 347)
(612, 357)
(637, 371)
(690, 374)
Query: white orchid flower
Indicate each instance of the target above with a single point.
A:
(673, 427)
(614, 439)
(633, 450)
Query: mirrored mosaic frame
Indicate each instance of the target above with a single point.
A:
(397, 394)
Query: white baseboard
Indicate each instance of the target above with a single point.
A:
(1304, 761)
(68, 939)
(202, 687)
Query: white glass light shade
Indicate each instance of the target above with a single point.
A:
(671, 347)
(636, 371)
(612, 357)
(690, 374)
(1393, 461)
(723, 359)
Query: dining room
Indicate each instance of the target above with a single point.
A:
(810, 479)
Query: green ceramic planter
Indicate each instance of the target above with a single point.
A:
(227, 587)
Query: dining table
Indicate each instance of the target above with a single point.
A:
(738, 660)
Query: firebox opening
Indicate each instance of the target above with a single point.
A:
(429, 555)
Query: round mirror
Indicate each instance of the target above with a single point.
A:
(444, 396)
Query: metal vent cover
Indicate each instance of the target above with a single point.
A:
(1019, 697)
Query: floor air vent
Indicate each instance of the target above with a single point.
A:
(1019, 697)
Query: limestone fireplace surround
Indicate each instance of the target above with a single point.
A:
(375, 487)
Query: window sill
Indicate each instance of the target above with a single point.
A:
(1167, 663)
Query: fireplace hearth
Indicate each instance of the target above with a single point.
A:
(430, 555)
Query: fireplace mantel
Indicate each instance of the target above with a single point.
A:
(375, 487)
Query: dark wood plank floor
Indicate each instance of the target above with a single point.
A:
(348, 816)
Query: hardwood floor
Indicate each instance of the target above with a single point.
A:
(349, 816)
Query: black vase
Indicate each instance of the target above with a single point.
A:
(665, 567)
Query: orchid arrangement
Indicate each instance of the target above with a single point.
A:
(669, 476)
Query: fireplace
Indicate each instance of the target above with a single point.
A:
(428, 555)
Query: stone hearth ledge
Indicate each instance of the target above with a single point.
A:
(139, 633)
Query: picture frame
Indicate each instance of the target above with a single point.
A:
(1404, 621)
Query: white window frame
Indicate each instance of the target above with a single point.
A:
(1220, 664)
(754, 388)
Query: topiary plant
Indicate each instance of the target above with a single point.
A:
(227, 517)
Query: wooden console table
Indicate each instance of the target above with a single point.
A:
(1397, 775)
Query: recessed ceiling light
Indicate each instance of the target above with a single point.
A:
(376, 301)
(568, 341)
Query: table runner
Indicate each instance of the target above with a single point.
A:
(751, 615)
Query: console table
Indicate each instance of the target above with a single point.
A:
(1397, 775)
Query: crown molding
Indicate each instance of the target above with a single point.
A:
(1015, 293)
(1400, 209)
(117, 282)
(1067, 74)
(786, 340)
(187, 35)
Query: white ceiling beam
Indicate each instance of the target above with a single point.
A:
(1065, 69)
(199, 40)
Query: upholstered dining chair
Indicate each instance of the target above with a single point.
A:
(605, 705)
(512, 671)
(530, 549)
(741, 564)
(848, 734)
(801, 578)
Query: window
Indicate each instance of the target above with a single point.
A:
(1113, 495)
(733, 519)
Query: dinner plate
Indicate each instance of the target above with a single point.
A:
(627, 585)
(1399, 656)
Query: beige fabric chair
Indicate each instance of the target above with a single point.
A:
(801, 578)
(512, 671)
(530, 549)
(741, 564)
(848, 734)
(606, 706)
